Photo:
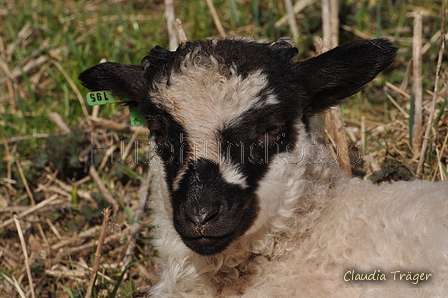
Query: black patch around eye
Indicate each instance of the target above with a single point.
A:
(169, 137)
(256, 140)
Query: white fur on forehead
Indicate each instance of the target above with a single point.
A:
(206, 96)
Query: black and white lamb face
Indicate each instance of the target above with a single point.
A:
(221, 111)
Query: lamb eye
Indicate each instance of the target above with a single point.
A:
(272, 133)
(274, 129)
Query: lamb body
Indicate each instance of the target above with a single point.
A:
(326, 224)
(246, 201)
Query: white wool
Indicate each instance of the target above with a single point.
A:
(315, 225)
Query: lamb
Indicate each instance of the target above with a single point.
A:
(246, 201)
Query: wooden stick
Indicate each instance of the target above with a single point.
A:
(124, 153)
(417, 82)
(74, 88)
(326, 21)
(68, 188)
(373, 123)
(445, 142)
(215, 17)
(439, 161)
(356, 31)
(333, 117)
(298, 7)
(25, 183)
(403, 112)
(10, 83)
(404, 84)
(180, 32)
(363, 135)
(398, 90)
(432, 40)
(336, 128)
(7, 157)
(53, 229)
(25, 255)
(429, 124)
(24, 138)
(103, 189)
(170, 17)
(15, 283)
(334, 21)
(110, 124)
(90, 244)
(84, 234)
(99, 249)
(56, 118)
(291, 19)
(29, 210)
(136, 218)
(107, 156)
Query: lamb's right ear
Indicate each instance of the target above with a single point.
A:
(126, 82)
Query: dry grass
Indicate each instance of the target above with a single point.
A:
(64, 230)
(52, 194)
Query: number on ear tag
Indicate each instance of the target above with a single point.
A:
(104, 97)
(100, 98)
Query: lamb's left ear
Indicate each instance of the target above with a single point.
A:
(328, 78)
(126, 82)
(130, 83)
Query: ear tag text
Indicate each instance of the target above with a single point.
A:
(105, 97)
(100, 98)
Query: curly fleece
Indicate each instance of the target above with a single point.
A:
(325, 225)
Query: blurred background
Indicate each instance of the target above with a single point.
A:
(62, 161)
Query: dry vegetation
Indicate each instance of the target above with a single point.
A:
(63, 164)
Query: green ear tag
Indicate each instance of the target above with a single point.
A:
(136, 117)
(104, 97)
(100, 98)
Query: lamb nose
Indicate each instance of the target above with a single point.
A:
(201, 216)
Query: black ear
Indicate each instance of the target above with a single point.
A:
(126, 82)
(328, 78)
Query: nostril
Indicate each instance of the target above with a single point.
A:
(201, 216)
